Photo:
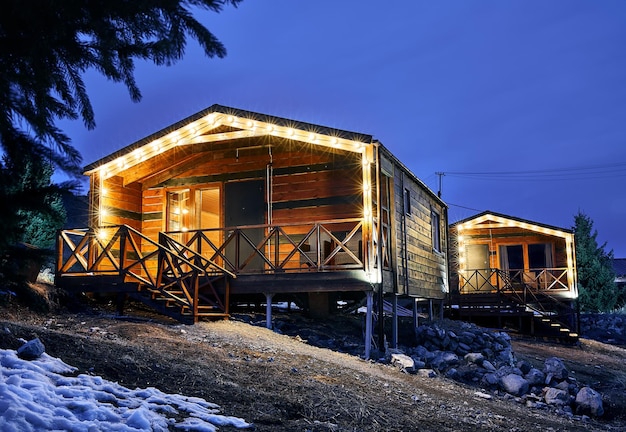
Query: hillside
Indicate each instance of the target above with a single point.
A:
(280, 382)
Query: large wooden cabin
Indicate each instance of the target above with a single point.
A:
(509, 271)
(228, 205)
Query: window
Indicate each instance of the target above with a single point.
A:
(407, 201)
(435, 228)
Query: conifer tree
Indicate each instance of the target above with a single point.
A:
(45, 48)
(597, 291)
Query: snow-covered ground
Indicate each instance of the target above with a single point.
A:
(44, 395)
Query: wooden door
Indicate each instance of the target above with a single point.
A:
(478, 277)
(245, 205)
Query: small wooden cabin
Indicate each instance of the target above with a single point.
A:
(227, 204)
(515, 271)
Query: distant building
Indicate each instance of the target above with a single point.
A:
(619, 267)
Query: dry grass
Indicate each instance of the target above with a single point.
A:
(280, 383)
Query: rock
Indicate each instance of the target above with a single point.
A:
(488, 366)
(563, 385)
(490, 380)
(403, 362)
(483, 395)
(589, 402)
(554, 368)
(514, 384)
(452, 374)
(465, 347)
(445, 360)
(426, 373)
(535, 377)
(467, 337)
(31, 350)
(555, 396)
(524, 366)
(506, 356)
(476, 358)
(418, 364)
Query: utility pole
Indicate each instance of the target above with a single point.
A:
(440, 174)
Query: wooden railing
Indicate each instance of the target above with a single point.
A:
(127, 256)
(536, 292)
(259, 249)
(544, 279)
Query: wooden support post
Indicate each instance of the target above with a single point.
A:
(394, 322)
(368, 323)
(227, 295)
(430, 310)
(268, 310)
(415, 316)
(441, 310)
(381, 319)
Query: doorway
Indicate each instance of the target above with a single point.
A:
(478, 267)
(245, 205)
(194, 209)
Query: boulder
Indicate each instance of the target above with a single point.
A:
(487, 365)
(589, 402)
(554, 369)
(31, 350)
(403, 362)
(514, 384)
(444, 360)
(426, 373)
(535, 377)
(555, 396)
(476, 358)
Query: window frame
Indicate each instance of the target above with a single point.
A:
(435, 230)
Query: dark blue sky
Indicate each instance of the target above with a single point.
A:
(529, 94)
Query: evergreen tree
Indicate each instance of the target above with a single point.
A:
(596, 279)
(45, 48)
(38, 218)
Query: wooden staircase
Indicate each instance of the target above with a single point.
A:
(517, 305)
(166, 276)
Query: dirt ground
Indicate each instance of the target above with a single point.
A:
(282, 382)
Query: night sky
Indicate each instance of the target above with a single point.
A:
(522, 104)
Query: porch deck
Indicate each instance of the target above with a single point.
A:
(537, 302)
(194, 273)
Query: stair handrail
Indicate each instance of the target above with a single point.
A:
(511, 290)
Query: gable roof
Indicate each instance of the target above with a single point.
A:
(239, 123)
(502, 220)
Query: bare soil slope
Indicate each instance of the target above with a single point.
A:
(280, 382)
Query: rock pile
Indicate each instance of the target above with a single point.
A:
(605, 327)
(467, 353)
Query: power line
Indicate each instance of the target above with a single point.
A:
(573, 173)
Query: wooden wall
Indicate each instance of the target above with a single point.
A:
(496, 237)
(310, 183)
(120, 204)
(421, 270)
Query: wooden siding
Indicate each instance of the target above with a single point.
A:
(494, 238)
(424, 268)
(120, 204)
(309, 183)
